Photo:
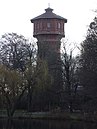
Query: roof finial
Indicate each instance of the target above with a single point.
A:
(48, 5)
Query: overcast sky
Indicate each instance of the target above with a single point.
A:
(15, 16)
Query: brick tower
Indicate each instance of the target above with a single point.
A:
(49, 30)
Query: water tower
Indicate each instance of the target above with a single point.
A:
(49, 30)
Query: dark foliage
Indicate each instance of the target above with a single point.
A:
(88, 67)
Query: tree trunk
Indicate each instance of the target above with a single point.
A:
(29, 97)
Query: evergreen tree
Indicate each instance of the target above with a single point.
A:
(88, 67)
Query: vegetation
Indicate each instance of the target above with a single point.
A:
(88, 68)
(26, 83)
(12, 88)
(70, 79)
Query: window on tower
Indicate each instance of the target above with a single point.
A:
(59, 25)
(38, 26)
(48, 25)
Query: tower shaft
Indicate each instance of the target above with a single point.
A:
(49, 29)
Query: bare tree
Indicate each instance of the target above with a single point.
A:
(18, 53)
(70, 79)
(13, 51)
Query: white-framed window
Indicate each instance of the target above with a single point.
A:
(59, 25)
(48, 25)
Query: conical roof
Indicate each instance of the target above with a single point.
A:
(48, 15)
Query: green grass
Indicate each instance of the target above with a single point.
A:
(49, 115)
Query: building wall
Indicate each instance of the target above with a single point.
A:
(49, 26)
(49, 33)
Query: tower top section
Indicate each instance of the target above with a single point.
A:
(49, 15)
(48, 24)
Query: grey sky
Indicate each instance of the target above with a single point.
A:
(15, 15)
